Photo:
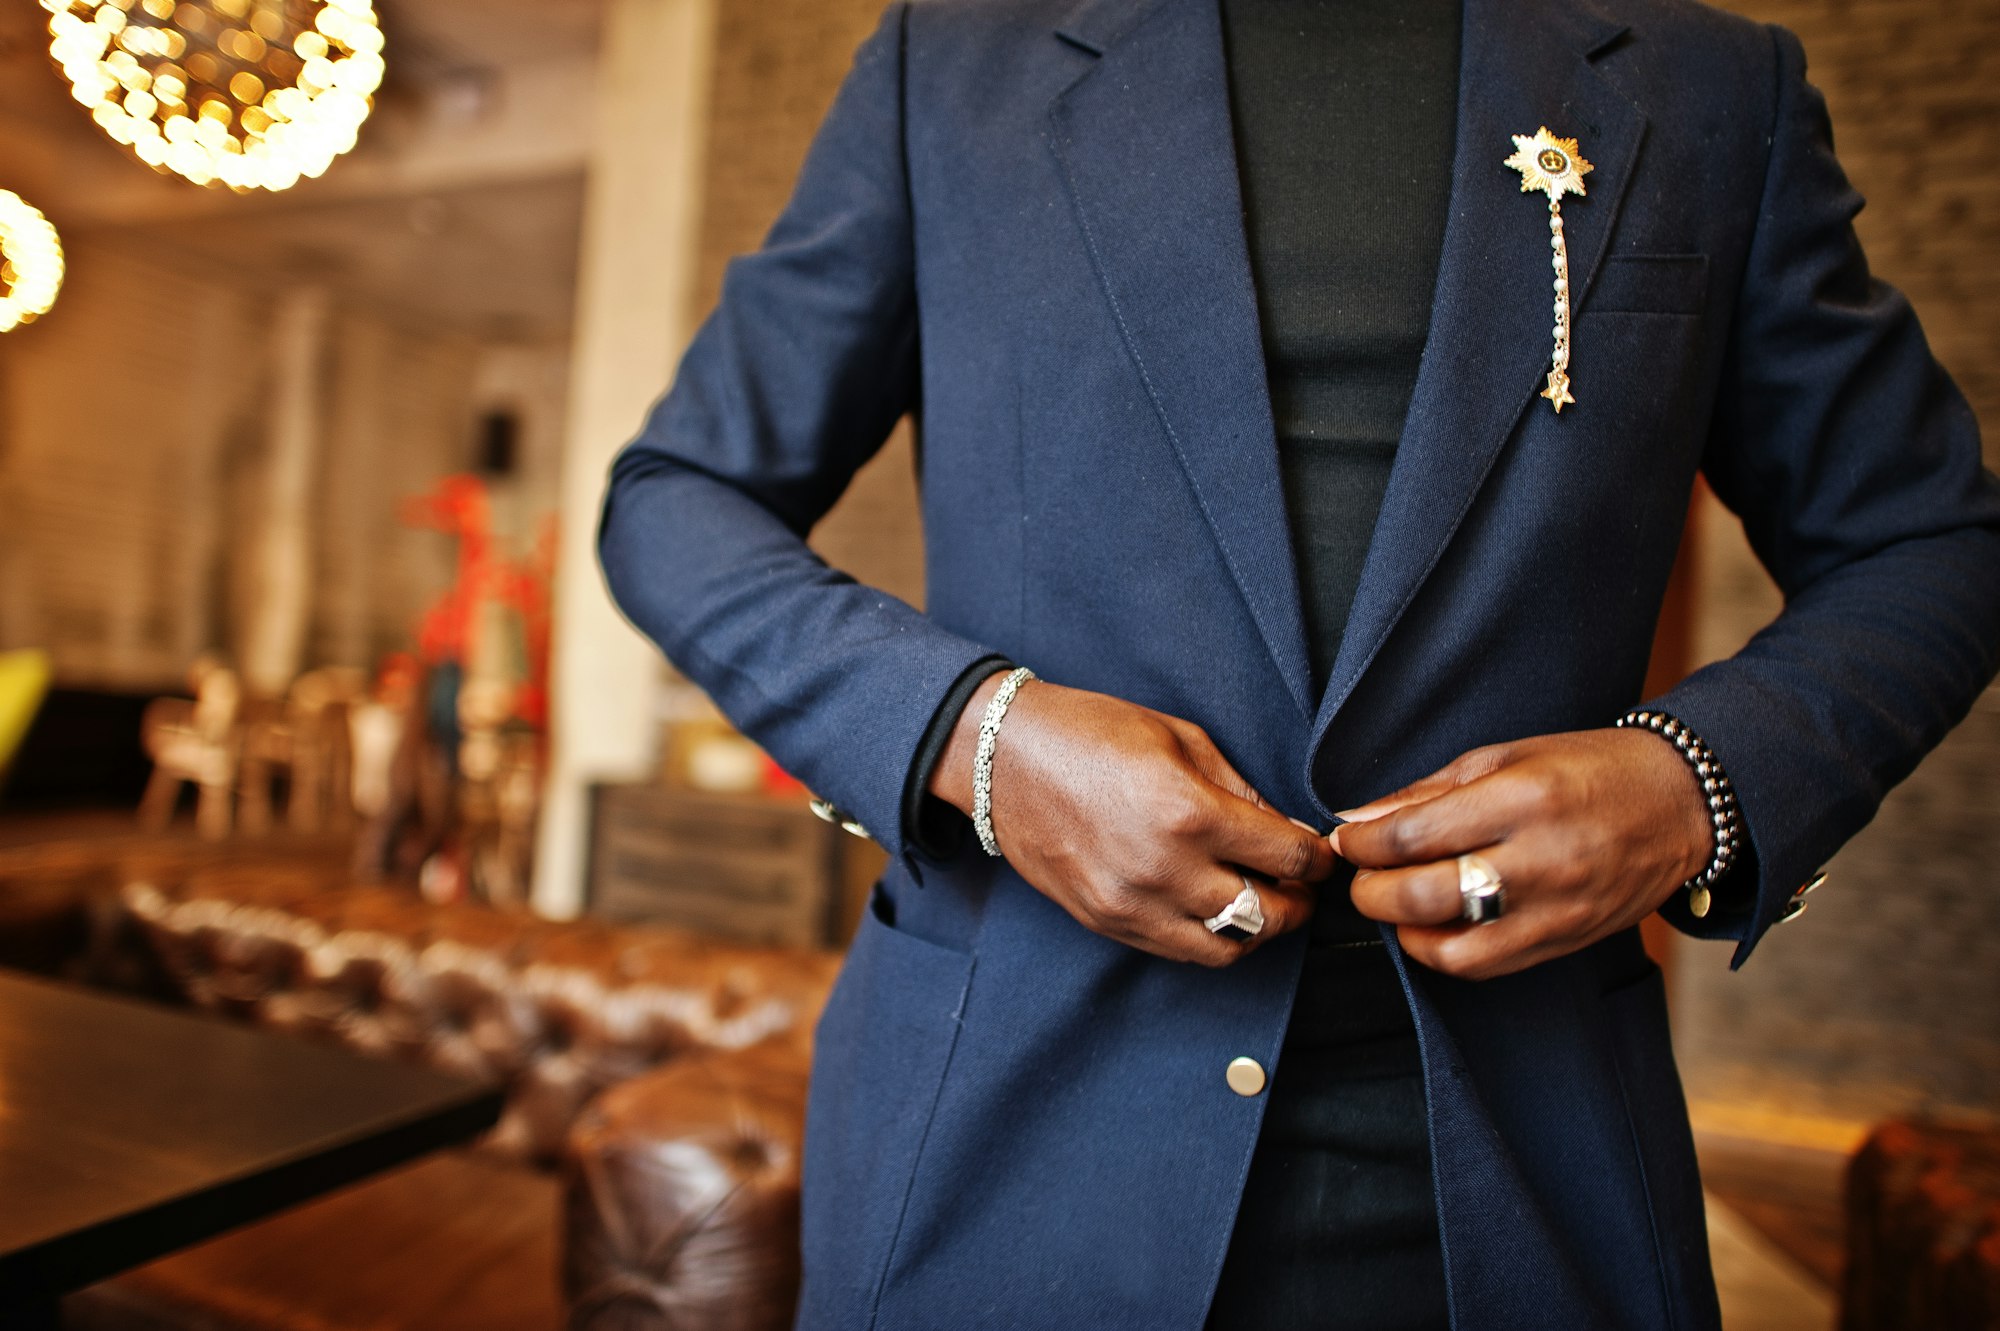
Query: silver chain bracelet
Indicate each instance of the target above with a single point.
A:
(982, 756)
(1715, 789)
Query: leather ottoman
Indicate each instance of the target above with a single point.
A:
(1923, 1216)
(682, 1202)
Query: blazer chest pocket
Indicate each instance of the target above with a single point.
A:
(1649, 284)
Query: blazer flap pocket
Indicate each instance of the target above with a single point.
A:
(1650, 284)
(881, 1050)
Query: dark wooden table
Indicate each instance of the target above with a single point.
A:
(129, 1130)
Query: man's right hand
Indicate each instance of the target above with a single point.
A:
(1132, 821)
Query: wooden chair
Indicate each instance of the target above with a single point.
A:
(194, 740)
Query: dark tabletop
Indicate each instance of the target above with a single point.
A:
(129, 1130)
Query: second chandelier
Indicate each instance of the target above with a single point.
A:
(250, 94)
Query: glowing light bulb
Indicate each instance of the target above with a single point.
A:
(32, 254)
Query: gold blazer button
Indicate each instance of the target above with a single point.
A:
(1245, 1076)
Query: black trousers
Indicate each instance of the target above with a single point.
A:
(1338, 1226)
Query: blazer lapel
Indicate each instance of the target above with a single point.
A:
(1523, 64)
(1146, 148)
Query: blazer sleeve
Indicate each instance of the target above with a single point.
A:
(790, 384)
(1854, 463)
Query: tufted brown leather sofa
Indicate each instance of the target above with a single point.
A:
(556, 1011)
(644, 1174)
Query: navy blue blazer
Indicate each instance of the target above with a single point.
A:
(1020, 221)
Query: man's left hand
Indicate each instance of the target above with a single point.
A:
(1590, 832)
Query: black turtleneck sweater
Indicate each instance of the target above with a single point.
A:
(1344, 113)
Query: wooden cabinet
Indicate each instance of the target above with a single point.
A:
(750, 868)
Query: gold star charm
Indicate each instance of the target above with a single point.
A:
(1555, 167)
(1549, 164)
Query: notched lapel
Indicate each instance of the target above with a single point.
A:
(1523, 64)
(1146, 148)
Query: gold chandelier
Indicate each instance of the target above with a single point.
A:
(251, 94)
(31, 263)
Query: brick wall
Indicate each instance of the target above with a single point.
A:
(778, 63)
(1914, 87)
(1884, 996)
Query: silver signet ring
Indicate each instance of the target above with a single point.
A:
(1481, 895)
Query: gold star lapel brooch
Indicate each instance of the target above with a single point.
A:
(1555, 167)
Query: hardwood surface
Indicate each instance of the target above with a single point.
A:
(1794, 1196)
(458, 1241)
(128, 1130)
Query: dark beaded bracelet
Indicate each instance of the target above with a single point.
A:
(1715, 788)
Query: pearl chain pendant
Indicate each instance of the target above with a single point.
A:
(1554, 167)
